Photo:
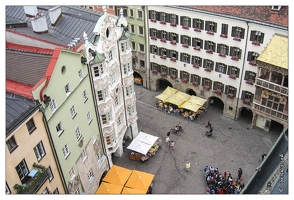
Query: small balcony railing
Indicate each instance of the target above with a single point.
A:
(272, 86)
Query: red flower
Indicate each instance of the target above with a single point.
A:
(256, 43)
(185, 27)
(235, 58)
(173, 42)
(185, 45)
(250, 82)
(229, 95)
(184, 80)
(173, 77)
(197, 48)
(232, 76)
(209, 51)
(210, 33)
(173, 24)
(153, 38)
(206, 87)
(224, 35)
(196, 66)
(237, 39)
(253, 63)
(163, 57)
(173, 59)
(162, 40)
(217, 92)
(197, 29)
(153, 20)
(222, 55)
(207, 69)
(195, 84)
(162, 22)
(246, 101)
(154, 71)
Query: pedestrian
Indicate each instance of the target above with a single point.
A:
(167, 141)
(168, 133)
(263, 156)
(208, 124)
(172, 145)
(188, 166)
(180, 127)
(240, 171)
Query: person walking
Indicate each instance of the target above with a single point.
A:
(240, 171)
(168, 133)
(167, 141)
(208, 124)
(172, 145)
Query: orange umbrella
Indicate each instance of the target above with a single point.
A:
(117, 175)
(127, 190)
(108, 188)
(140, 180)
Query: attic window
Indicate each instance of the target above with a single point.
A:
(107, 32)
(276, 8)
(63, 69)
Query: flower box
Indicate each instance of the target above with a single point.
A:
(252, 63)
(249, 82)
(195, 84)
(163, 40)
(235, 58)
(207, 69)
(163, 74)
(185, 27)
(163, 57)
(210, 33)
(246, 101)
(224, 35)
(154, 71)
(237, 39)
(173, 59)
(174, 42)
(229, 95)
(173, 24)
(256, 43)
(153, 20)
(209, 51)
(173, 77)
(197, 29)
(153, 38)
(184, 80)
(222, 55)
(232, 76)
(197, 48)
(206, 87)
(162, 22)
(217, 92)
(196, 66)
(185, 45)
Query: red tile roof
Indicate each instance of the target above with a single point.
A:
(258, 13)
(22, 48)
(19, 89)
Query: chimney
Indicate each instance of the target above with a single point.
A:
(30, 11)
(55, 15)
(39, 24)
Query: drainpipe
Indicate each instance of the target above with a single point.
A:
(41, 108)
(243, 64)
(147, 54)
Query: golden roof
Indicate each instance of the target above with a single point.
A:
(276, 52)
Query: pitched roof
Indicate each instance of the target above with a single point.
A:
(263, 14)
(26, 64)
(276, 52)
(72, 24)
(18, 109)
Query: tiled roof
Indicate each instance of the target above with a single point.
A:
(74, 21)
(26, 64)
(276, 52)
(262, 14)
(18, 109)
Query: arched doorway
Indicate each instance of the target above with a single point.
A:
(276, 127)
(216, 104)
(162, 84)
(245, 115)
(191, 92)
(138, 80)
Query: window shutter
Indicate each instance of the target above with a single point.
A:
(158, 34)
(243, 94)
(194, 23)
(157, 16)
(213, 46)
(261, 38)
(182, 39)
(189, 41)
(151, 48)
(150, 14)
(252, 35)
(167, 36)
(226, 89)
(193, 42)
(242, 33)
(238, 71)
(215, 27)
(182, 19)
(246, 75)
(181, 57)
(233, 33)
(188, 59)
(225, 69)
(206, 45)
(207, 25)
(224, 29)
(177, 19)
(231, 51)
(251, 97)
(167, 16)
(227, 49)
(235, 91)
(168, 53)
(203, 81)
(189, 22)
(240, 53)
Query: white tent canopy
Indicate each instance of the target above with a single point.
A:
(142, 143)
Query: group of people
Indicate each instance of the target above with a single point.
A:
(222, 184)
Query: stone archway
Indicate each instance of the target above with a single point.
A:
(216, 104)
(161, 84)
(191, 92)
(138, 80)
(245, 115)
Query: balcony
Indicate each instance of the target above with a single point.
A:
(272, 86)
(273, 114)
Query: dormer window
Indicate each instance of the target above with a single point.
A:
(276, 8)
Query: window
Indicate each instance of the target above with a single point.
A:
(209, 45)
(140, 15)
(174, 54)
(142, 63)
(141, 48)
(211, 26)
(84, 155)
(90, 175)
(232, 70)
(102, 95)
(89, 117)
(131, 13)
(247, 95)
(106, 118)
(124, 46)
(174, 37)
(154, 49)
(153, 32)
(196, 61)
(11, 144)
(222, 49)
(22, 170)
(110, 7)
(195, 78)
(185, 40)
(53, 105)
(132, 28)
(162, 34)
(56, 191)
(127, 69)
(206, 82)
(173, 19)
(163, 17)
(230, 90)
(66, 151)
(221, 67)
(198, 24)
(67, 89)
(129, 90)
(250, 76)
(173, 72)
(116, 101)
(162, 51)
(45, 191)
(235, 52)
(73, 111)
(39, 151)
(134, 46)
(78, 190)
(208, 64)
(141, 30)
(185, 21)
(80, 73)
(224, 29)
(119, 120)
(79, 133)
(185, 57)
(257, 36)
(197, 42)
(131, 110)
(113, 77)
(59, 128)
(152, 15)
(185, 75)
(72, 172)
(218, 86)
(31, 126)
(85, 96)
(98, 70)
(49, 173)
(238, 32)
(110, 56)
(252, 56)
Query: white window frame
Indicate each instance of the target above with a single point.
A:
(131, 110)
(110, 56)
(39, 151)
(98, 71)
(72, 173)
(127, 68)
(84, 155)
(129, 90)
(102, 95)
(132, 28)
(106, 118)
(116, 101)
(141, 34)
(89, 117)
(67, 89)
(66, 151)
(132, 14)
(73, 111)
(49, 172)
(78, 134)
(81, 75)
(140, 11)
(140, 45)
(90, 175)
(53, 105)
(59, 128)
(85, 96)
(133, 46)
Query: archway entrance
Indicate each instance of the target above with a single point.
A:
(138, 80)
(276, 127)
(162, 84)
(191, 92)
(245, 115)
(216, 104)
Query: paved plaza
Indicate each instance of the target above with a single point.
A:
(232, 146)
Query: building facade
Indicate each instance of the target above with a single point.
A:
(110, 66)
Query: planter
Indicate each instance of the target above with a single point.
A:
(256, 43)
(224, 35)
(185, 45)
(222, 55)
(231, 96)
(196, 66)
(246, 101)
(249, 82)
(197, 48)
(163, 22)
(210, 33)
(235, 58)
(163, 40)
(152, 20)
(173, 59)
(154, 71)
(195, 84)
(232, 76)
(185, 27)
(252, 63)
(173, 77)
(206, 87)
(153, 38)
(197, 29)
(209, 51)
(173, 42)
(163, 74)
(163, 57)
(207, 69)
(184, 80)
(237, 39)
(217, 92)
(173, 24)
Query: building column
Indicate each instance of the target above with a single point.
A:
(283, 79)
(253, 123)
